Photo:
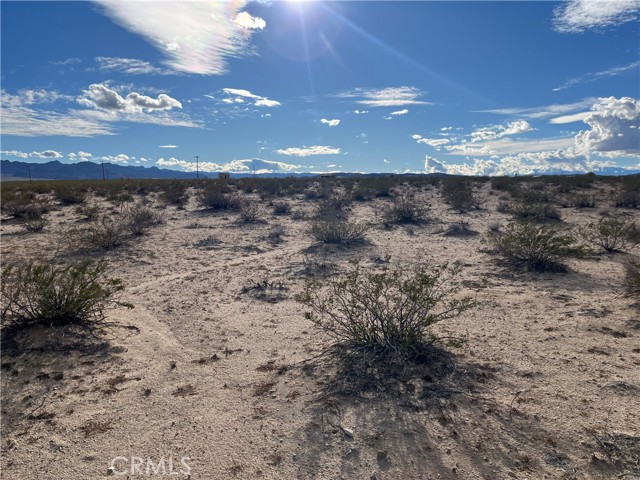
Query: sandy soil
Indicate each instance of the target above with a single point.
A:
(206, 367)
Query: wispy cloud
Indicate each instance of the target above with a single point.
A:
(544, 111)
(20, 118)
(238, 95)
(332, 123)
(195, 37)
(592, 77)
(386, 97)
(498, 131)
(577, 16)
(167, 146)
(308, 151)
(130, 66)
(400, 112)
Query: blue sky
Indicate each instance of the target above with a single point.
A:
(297, 86)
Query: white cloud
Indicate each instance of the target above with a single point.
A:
(308, 151)
(100, 96)
(249, 22)
(235, 166)
(611, 122)
(238, 95)
(386, 97)
(591, 77)
(506, 146)
(361, 112)
(195, 37)
(385, 161)
(574, 117)
(434, 142)
(14, 153)
(415, 136)
(19, 117)
(404, 111)
(82, 156)
(120, 158)
(577, 16)
(130, 66)
(167, 146)
(46, 154)
(331, 123)
(499, 131)
(543, 111)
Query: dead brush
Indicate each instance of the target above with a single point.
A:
(33, 221)
(460, 229)
(265, 290)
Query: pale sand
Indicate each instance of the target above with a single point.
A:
(552, 359)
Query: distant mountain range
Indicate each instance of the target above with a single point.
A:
(56, 170)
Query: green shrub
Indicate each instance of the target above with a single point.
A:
(405, 209)
(69, 195)
(538, 247)
(535, 211)
(56, 295)
(338, 231)
(612, 234)
(390, 309)
(582, 201)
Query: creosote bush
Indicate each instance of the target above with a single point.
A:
(217, 195)
(338, 231)
(251, 212)
(56, 295)
(612, 234)
(388, 309)
(405, 209)
(538, 247)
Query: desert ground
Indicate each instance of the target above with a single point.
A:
(217, 374)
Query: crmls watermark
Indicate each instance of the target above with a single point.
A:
(149, 466)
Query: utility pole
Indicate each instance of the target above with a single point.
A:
(103, 176)
(197, 167)
(29, 168)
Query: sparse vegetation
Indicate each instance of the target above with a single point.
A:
(538, 247)
(405, 209)
(387, 309)
(250, 212)
(458, 192)
(632, 279)
(612, 234)
(338, 231)
(138, 218)
(55, 295)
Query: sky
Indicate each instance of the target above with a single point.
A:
(474, 88)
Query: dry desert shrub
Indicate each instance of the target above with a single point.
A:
(538, 247)
(138, 218)
(612, 234)
(251, 212)
(105, 234)
(281, 207)
(55, 295)
(458, 193)
(385, 310)
(33, 221)
(632, 279)
(217, 195)
(405, 209)
(338, 231)
(175, 193)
